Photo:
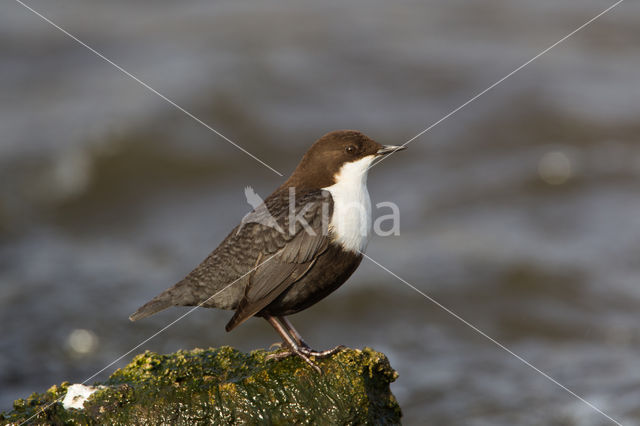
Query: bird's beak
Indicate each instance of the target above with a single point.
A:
(388, 149)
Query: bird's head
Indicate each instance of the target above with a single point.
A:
(336, 155)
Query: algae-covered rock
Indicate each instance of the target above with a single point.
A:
(225, 386)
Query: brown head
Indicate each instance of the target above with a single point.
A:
(323, 161)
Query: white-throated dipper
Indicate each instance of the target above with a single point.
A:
(273, 268)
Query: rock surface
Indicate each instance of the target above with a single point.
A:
(225, 386)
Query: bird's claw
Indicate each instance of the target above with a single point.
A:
(277, 345)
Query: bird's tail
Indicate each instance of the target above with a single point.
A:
(156, 304)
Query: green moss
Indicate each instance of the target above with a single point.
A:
(227, 386)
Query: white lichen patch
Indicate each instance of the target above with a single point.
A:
(77, 394)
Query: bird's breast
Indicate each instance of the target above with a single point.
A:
(350, 222)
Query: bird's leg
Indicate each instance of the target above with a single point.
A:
(293, 332)
(303, 346)
(294, 348)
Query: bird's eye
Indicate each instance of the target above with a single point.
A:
(350, 149)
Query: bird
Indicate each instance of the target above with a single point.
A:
(295, 248)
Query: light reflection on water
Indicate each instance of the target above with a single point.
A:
(519, 213)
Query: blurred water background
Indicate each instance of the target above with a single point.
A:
(521, 212)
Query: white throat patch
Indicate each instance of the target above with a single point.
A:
(351, 219)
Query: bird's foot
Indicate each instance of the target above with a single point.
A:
(320, 354)
(305, 352)
(281, 354)
(285, 353)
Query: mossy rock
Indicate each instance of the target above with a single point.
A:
(225, 386)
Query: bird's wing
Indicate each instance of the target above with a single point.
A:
(258, 260)
(278, 270)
